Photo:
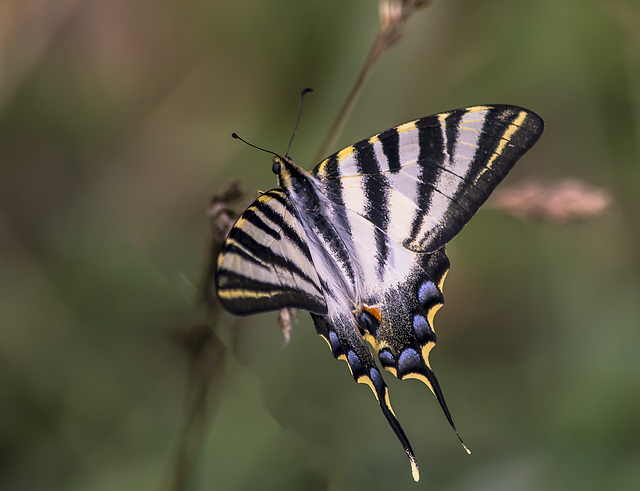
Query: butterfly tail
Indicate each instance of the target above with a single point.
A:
(347, 344)
(427, 375)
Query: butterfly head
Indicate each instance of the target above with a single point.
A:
(290, 176)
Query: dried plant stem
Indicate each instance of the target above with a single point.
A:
(341, 119)
(207, 354)
(206, 370)
(393, 17)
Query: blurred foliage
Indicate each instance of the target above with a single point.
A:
(115, 122)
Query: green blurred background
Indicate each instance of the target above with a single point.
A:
(115, 122)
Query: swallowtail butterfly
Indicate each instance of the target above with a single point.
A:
(359, 241)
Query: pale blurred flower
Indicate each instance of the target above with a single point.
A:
(562, 201)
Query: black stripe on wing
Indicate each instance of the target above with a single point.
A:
(390, 140)
(265, 263)
(376, 194)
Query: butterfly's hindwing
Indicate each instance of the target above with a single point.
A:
(406, 335)
(399, 326)
(346, 343)
(265, 263)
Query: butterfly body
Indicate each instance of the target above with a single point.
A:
(359, 241)
(331, 248)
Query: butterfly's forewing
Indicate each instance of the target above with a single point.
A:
(265, 263)
(420, 183)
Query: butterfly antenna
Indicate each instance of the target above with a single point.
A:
(235, 135)
(302, 94)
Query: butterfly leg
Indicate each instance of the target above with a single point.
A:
(347, 344)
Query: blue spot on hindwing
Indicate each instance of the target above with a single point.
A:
(354, 363)
(336, 347)
(376, 378)
(423, 330)
(386, 358)
(429, 294)
(369, 323)
(409, 362)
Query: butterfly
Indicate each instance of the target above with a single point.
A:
(359, 241)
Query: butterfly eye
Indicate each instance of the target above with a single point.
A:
(276, 167)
